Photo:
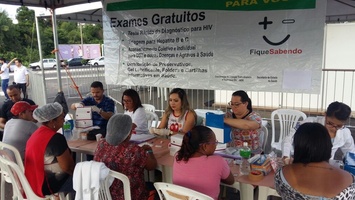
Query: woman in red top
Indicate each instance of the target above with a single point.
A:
(49, 164)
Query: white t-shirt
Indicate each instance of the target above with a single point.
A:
(342, 140)
(139, 118)
(20, 74)
(5, 70)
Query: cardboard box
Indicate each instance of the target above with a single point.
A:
(221, 130)
(262, 164)
(83, 123)
(83, 113)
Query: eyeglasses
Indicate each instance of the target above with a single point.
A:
(235, 104)
(337, 127)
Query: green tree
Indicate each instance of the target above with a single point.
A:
(8, 36)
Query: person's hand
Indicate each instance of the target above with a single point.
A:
(78, 105)
(27, 84)
(286, 160)
(95, 109)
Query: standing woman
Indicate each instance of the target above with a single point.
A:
(178, 116)
(196, 167)
(49, 164)
(133, 107)
(244, 121)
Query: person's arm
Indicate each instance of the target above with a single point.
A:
(11, 61)
(349, 141)
(229, 180)
(66, 162)
(27, 80)
(2, 122)
(189, 122)
(151, 160)
(164, 121)
(108, 110)
(105, 115)
(242, 123)
(74, 106)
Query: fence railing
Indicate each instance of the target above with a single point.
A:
(337, 85)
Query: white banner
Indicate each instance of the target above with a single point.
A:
(254, 45)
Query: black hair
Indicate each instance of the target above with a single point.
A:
(11, 87)
(312, 143)
(338, 110)
(18, 60)
(192, 140)
(244, 98)
(3, 59)
(135, 98)
(97, 84)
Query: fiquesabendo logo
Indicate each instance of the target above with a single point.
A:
(265, 52)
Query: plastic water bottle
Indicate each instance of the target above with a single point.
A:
(245, 153)
(67, 130)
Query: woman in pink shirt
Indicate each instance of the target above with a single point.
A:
(196, 167)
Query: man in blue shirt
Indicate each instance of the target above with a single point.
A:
(103, 107)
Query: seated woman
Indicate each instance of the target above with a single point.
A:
(49, 164)
(196, 167)
(245, 123)
(133, 107)
(121, 155)
(311, 176)
(178, 116)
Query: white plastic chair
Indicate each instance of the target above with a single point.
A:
(152, 119)
(21, 187)
(265, 192)
(288, 119)
(9, 152)
(104, 193)
(168, 191)
(149, 107)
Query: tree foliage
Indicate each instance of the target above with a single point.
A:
(20, 40)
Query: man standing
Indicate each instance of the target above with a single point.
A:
(20, 127)
(103, 107)
(21, 77)
(15, 96)
(4, 73)
(336, 116)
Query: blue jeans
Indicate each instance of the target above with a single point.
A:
(4, 84)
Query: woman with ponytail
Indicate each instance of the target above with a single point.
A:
(196, 167)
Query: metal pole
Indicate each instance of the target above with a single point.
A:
(41, 59)
(81, 40)
(55, 37)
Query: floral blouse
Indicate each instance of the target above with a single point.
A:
(239, 136)
(129, 159)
